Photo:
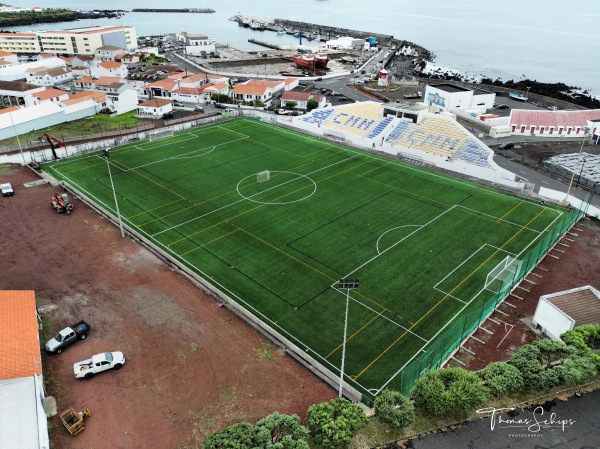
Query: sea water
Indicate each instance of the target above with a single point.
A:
(544, 40)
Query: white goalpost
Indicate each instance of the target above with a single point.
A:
(161, 133)
(505, 270)
(263, 176)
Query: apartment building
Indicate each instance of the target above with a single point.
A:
(76, 41)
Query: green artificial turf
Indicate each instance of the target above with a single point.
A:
(420, 243)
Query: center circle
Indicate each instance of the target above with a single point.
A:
(270, 186)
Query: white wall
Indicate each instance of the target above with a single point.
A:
(127, 101)
(553, 321)
(447, 100)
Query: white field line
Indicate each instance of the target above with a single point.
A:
(499, 219)
(458, 313)
(378, 313)
(222, 288)
(406, 166)
(196, 155)
(389, 230)
(245, 198)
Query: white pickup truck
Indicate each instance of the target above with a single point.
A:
(98, 363)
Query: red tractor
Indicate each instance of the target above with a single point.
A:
(61, 203)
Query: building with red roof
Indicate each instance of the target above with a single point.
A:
(526, 122)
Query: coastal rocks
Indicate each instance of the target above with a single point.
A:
(54, 16)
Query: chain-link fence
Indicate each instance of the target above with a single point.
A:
(462, 327)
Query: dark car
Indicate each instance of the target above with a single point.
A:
(502, 106)
(506, 146)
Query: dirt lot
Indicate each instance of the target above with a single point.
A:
(192, 367)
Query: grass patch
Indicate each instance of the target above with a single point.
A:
(97, 124)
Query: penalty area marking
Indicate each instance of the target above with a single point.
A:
(249, 198)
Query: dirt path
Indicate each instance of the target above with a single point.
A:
(192, 367)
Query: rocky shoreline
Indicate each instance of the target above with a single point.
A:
(54, 16)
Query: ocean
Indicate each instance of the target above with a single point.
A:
(544, 40)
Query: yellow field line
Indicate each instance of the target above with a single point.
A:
(509, 212)
(287, 254)
(151, 180)
(446, 296)
(409, 193)
(155, 208)
(209, 242)
(354, 334)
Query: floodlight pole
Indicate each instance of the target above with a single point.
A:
(348, 284)
(114, 192)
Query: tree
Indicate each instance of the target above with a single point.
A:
(394, 409)
(584, 339)
(237, 436)
(312, 104)
(333, 424)
(501, 378)
(448, 391)
(576, 369)
(290, 105)
(278, 431)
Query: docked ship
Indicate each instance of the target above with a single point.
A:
(308, 61)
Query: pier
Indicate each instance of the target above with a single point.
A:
(264, 44)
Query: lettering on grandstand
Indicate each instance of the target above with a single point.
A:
(436, 100)
(354, 121)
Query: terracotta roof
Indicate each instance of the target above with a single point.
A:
(296, 96)
(581, 304)
(165, 84)
(179, 76)
(58, 71)
(17, 34)
(3, 62)
(5, 53)
(78, 97)
(102, 81)
(110, 64)
(522, 117)
(10, 109)
(155, 102)
(193, 78)
(20, 347)
(249, 89)
(264, 83)
(108, 47)
(49, 93)
(46, 55)
(289, 80)
(17, 86)
(217, 86)
(190, 90)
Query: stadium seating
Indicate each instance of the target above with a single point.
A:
(318, 116)
(360, 119)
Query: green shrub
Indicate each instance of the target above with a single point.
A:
(584, 339)
(237, 436)
(576, 369)
(501, 378)
(449, 391)
(333, 424)
(394, 409)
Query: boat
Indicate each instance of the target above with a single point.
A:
(518, 97)
(297, 34)
(304, 61)
(281, 31)
(321, 59)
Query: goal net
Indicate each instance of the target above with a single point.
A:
(161, 133)
(502, 273)
(263, 176)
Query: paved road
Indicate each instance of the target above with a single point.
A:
(582, 430)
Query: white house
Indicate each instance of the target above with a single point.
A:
(108, 52)
(23, 423)
(155, 108)
(121, 102)
(195, 44)
(53, 95)
(109, 68)
(41, 76)
(448, 96)
(17, 93)
(300, 99)
(562, 311)
(258, 90)
(9, 57)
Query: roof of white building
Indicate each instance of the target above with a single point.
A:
(19, 428)
(581, 304)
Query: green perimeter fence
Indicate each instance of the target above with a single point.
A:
(453, 336)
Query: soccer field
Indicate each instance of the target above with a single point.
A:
(420, 243)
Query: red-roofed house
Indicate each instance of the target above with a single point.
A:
(109, 68)
(108, 52)
(554, 123)
(23, 423)
(156, 107)
(54, 95)
(10, 57)
(255, 92)
(300, 99)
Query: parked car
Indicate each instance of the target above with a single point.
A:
(506, 146)
(502, 106)
(7, 189)
(68, 335)
(553, 108)
(198, 108)
(167, 115)
(98, 363)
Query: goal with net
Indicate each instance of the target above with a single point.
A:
(503, 274)
(161, 133)
(263, 176)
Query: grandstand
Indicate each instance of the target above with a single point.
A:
(435, 138)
